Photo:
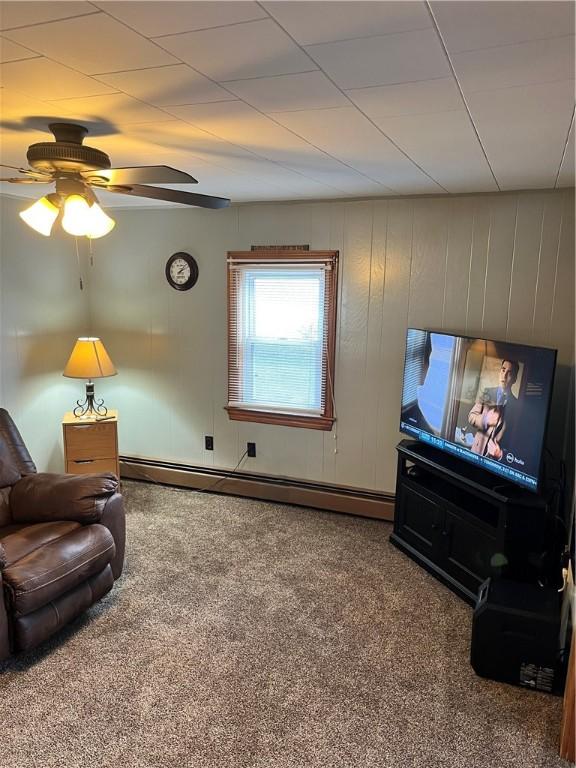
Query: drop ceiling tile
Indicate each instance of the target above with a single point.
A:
(19, 14)
(537, 61)
(445, 146)
(348, 136)
(397, 58)
(524, 131)
(92, 44)
(167, 18)
(45, 79)
(239, 124)
(408, 98)
(254, 49)
(16, 108)
(321, 22)
(125, 146)
(172, 85)
(472, 25)
(116, 106)
(308, 90)
(13, 148)
(205, 156)
(566, 175)
(10, 51)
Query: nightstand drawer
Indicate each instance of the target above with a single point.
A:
(90, 441)
(88, 467)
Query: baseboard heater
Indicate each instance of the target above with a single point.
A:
(304, 493)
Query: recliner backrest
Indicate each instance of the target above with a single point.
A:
(15, 462)
(12, 440)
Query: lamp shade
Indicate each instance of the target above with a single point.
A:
(76, 219)
(89, 360)
(42, 214)
(99, 222)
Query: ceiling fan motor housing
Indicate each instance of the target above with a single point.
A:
(66, 157)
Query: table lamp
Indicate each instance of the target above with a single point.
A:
(89, 360)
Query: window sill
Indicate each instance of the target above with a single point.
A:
(280, 419)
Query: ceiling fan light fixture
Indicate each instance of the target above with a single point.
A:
(99, 222)
(42, 214)
(76, 219)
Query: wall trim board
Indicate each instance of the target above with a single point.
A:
(333, 498)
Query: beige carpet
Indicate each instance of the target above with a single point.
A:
(253, 635)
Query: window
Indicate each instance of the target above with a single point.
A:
(281, 334)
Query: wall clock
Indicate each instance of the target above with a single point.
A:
(181, 271)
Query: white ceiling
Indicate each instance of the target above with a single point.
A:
(300, 100)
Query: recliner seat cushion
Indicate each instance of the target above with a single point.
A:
(19, 540)
(57, 567)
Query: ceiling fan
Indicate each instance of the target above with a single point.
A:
(77, 170)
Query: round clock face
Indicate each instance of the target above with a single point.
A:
(181, 271)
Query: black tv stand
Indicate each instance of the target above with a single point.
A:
(462, 525)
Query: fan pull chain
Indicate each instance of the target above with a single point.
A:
(91, 252)
(78, 262)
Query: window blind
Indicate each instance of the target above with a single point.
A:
(281, 313)
(413, 365)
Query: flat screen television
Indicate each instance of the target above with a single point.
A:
(483, 401)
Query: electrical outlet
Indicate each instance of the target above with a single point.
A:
(209, 442)
(251, 450)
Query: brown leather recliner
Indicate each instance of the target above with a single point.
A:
(61, 544)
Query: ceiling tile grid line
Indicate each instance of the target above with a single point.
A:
(566, 148)
(369, 88)
(202, 29)
(377, 127)
(448, 58)
(511, 87)
(516, 42)
(48, 21)
(336, 40)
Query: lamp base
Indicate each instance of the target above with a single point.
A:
(90, 407)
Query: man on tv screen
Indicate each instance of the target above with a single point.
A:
(494, 411)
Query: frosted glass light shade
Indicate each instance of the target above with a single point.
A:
(99, 223)
(41, 216)
(76, 219)
(89, 360)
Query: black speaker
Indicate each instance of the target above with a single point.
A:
(516, 635)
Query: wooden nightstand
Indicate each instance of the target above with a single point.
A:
(90, 445)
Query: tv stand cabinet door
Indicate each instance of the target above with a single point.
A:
(418, 520)
(469, 553)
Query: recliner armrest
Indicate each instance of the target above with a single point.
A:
(46, 496)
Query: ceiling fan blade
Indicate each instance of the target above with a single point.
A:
(26, 171)
(145, 174)
(172, 196)
(28, 181)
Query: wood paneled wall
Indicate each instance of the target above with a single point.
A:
(501, 266)
(42, 312)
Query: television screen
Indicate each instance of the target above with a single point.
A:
(484, 401)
